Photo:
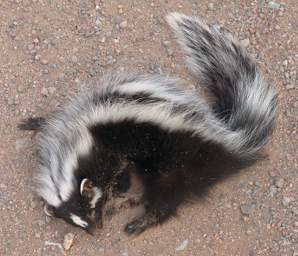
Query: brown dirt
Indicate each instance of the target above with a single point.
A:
(49, 47)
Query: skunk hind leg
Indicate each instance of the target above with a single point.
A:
(162, 196)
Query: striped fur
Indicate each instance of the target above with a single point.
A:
(240, 118)
(244, 104)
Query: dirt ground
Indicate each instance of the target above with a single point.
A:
(49, 48)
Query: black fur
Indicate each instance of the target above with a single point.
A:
(171, 165)
(32, 124)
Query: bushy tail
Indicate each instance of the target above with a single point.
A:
(243, 102)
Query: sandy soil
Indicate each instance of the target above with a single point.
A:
(48, 48)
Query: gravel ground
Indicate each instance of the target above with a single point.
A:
(49, 48)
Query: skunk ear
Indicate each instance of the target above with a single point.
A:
(86, 188)
(91, 192)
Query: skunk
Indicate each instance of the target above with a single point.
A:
(177, 141)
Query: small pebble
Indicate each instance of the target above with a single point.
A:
(10, 101)
(40, 223)
(61, 77)
(247, 209)
(68, 241)
(272, 190)
(285, 63)
(182, 246)
(49, 243)
(109, 60)
(103, 40)
(74, 59)
(211, 6)
(155, 68)
(166, 43)
(169, 52)
(3, 196)
(286, 201)
(51, 90)
(20, 89)
(279, 182)
(245, 42)
(3, 186)
(98, 23)
(33, 204)
(30, 47)
(123, 24)
(295, 210)
(45, 71)
(44, 62)
(290, 86)
(249, 232)
(45, 92)
(273, 5)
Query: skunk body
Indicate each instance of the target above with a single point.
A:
(176, 140)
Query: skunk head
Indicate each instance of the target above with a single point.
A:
(82, 209)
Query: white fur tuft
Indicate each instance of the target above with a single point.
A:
(97, 195)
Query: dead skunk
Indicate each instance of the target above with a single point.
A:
(176, 140)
